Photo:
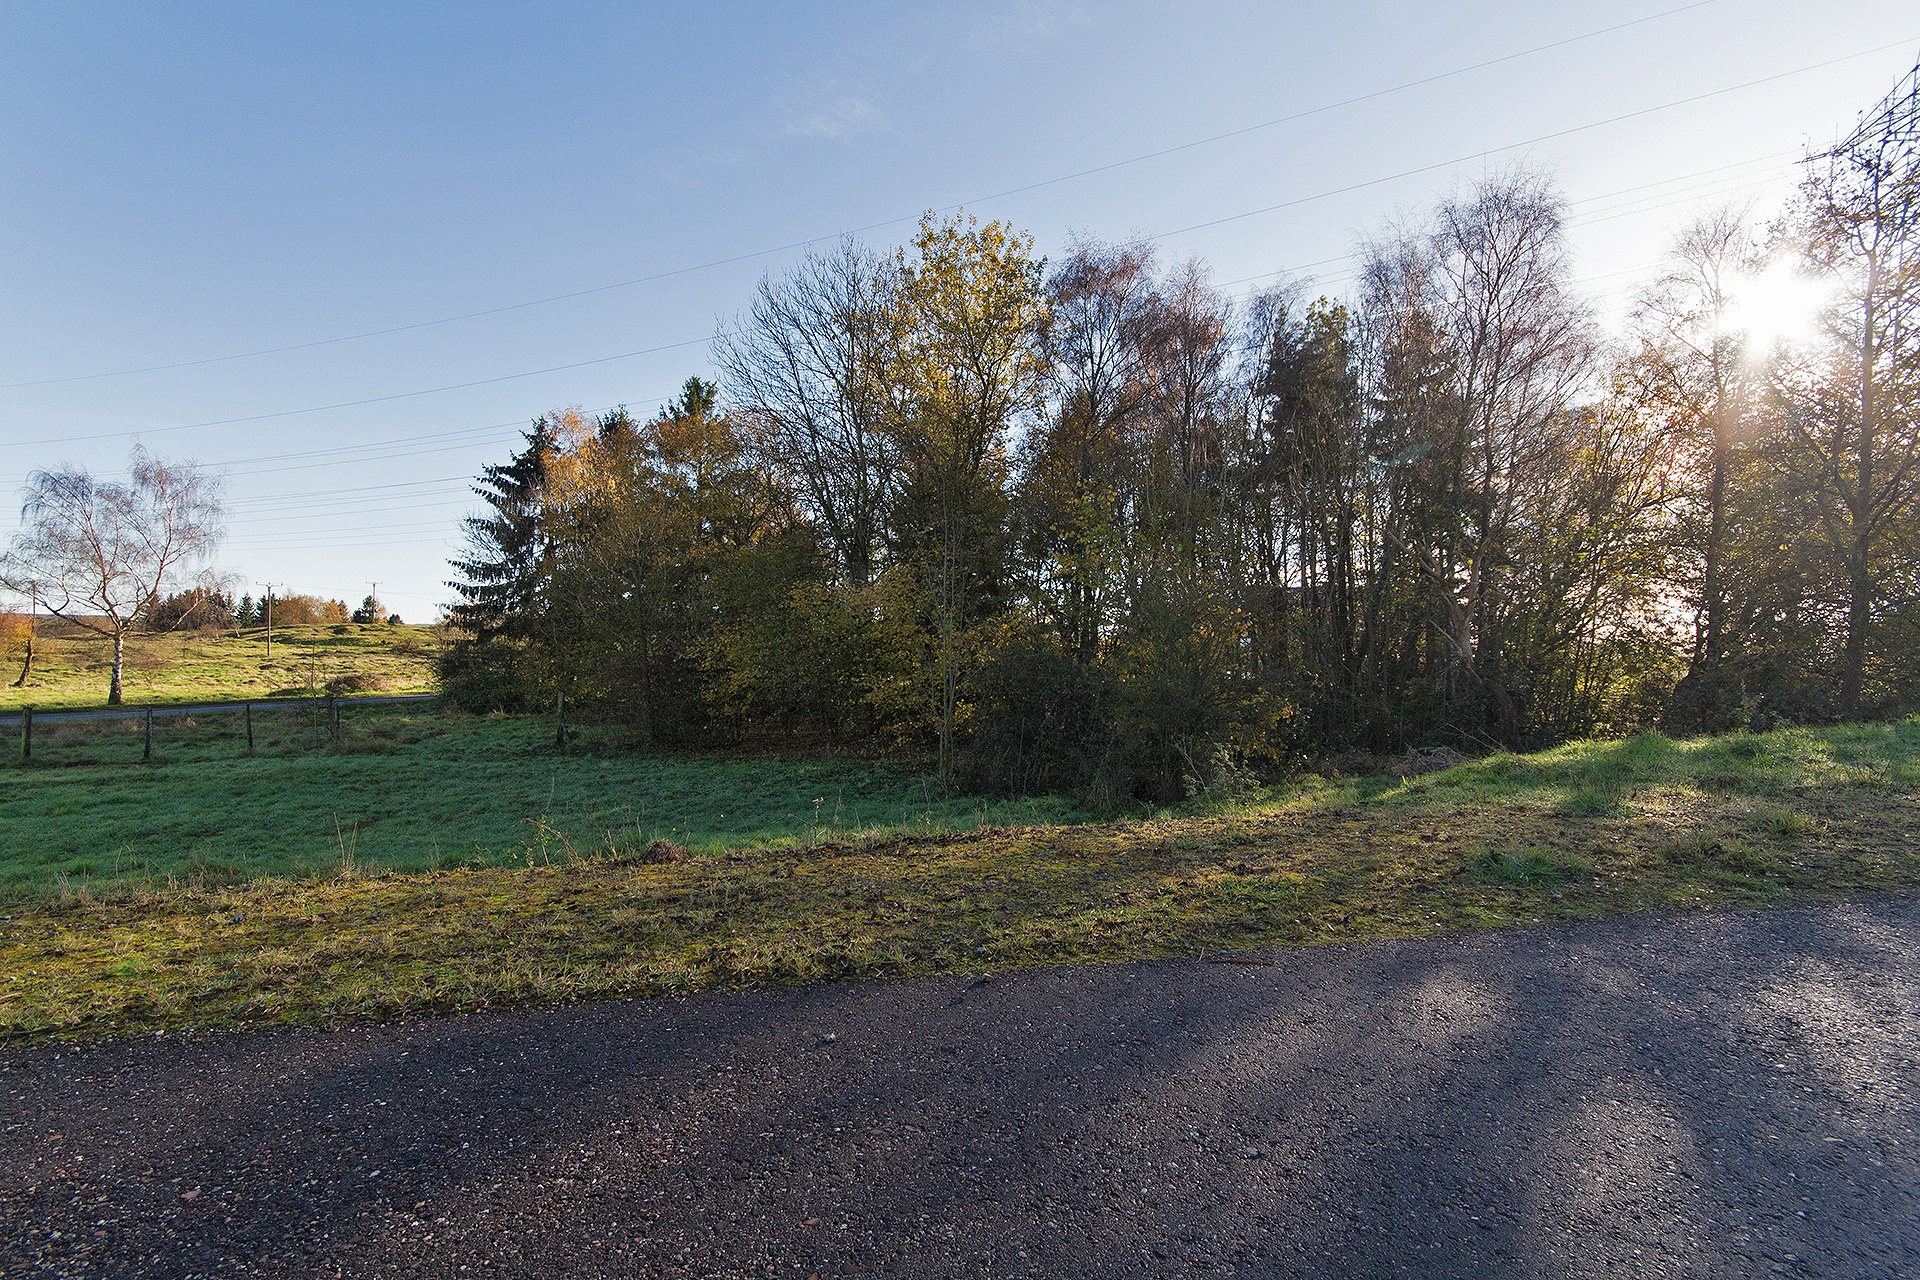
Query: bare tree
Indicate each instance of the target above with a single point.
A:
(1692, 369)
(1075, 462)
(1863, 230)
(807, 368)
(100, 553)
(1190, 348)
(1488, 350)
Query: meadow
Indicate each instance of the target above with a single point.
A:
(1589, 829)
(71, 667)
(407, 790)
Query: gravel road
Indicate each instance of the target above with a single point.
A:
(1701, 1095)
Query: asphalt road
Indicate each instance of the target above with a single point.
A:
(1703, 1095)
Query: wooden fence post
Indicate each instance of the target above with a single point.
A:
(147, 754)
(26, 733)
(249, 728)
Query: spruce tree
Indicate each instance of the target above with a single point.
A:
(501, 572)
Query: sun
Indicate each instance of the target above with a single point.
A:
(1778, 304)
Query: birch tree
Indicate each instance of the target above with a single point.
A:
(99, 554)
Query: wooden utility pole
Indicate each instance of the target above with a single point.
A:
(269, 622)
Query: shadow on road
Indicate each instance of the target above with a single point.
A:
(1702, 1095)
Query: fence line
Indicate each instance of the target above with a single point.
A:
(331, 707)
(39, 716)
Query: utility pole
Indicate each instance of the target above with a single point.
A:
(269, 622)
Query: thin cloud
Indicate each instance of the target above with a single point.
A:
(845, 116)
(1029, 22)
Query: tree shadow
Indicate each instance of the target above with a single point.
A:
(1645, 1096)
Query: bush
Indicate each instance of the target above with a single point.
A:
(485, 677)
(300, 611)
(1043, 722)
(15, 628)
(356, 682)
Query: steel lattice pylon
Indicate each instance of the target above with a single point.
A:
(1891, 126)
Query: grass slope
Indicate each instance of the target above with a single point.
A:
(72, 668)
(1586, 830)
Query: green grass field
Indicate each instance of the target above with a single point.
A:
(73, 669)
(412, 791)
(1587, 830)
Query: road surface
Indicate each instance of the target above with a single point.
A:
(1695, 1095)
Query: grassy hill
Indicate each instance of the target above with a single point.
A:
(1590, 829)
(73, 668)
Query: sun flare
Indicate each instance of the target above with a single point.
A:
(1776, 305)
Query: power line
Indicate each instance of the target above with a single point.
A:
(874, 226)
(359, 488)
(354, 404)
(1582, 220)
(383, 451)
(372, 452)
(250, 520)
(1214, 222)
(291, 506)
(1530, 142)
(295, 537)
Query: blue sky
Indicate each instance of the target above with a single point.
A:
(184, 183)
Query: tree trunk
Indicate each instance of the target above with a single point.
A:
(1859, 576)
(1710, 698)
(119, 657)
(1707, 655)
(26, 665)
(1859, 601)
(948, 624)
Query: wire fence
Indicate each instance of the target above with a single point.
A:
(202, 731)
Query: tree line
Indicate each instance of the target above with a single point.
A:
(1088, 526)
